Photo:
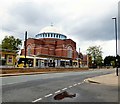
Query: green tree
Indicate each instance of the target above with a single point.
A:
(11, 43)
(96, 53)
(111, 61)
(108, 60)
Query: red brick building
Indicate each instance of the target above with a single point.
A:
(54, 46)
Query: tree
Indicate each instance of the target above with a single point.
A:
(10, 43)
(111, 61)
(96, 53)
(108, 60)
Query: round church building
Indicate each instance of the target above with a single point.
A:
(52, 49)
(50, 32)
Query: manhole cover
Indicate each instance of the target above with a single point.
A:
(63, 95)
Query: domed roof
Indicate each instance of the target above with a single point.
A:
(50, 29)
(51, 32)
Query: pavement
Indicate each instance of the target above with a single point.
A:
(18, 74)
(108, 79)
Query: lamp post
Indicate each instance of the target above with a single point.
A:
(25, 48)
(115, 20)
(79, 58)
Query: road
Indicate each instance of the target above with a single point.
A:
(43, 87)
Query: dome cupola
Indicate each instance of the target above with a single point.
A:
(51, 32)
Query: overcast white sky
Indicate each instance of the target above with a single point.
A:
(87, 22)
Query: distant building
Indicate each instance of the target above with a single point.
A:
(54, 47)
(7, 57)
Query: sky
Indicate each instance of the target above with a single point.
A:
(87, 22)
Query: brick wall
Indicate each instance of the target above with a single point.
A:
(51, 46)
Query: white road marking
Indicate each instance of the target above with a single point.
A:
(74, 84)
(57, 91)
(48, 95)
(64, 89)
(79, 83)
(82, 82)
(36, 100)
(70, 86)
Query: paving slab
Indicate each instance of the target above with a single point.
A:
(109, 79)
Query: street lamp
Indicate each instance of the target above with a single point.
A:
(79, 58)
(115, 20)
(25, 49)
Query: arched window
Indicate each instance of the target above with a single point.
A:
(29, 50)
(69, 52)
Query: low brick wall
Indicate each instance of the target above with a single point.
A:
(27, 70)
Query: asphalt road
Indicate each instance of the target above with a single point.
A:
(43, 87)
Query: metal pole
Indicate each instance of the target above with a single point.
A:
(79, 57)
(116, 44)
(25, 48)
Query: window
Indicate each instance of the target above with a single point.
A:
(51, 35)
(10, 59)
(69, 52)
(45, 35)
(29, 50)
(57, 35)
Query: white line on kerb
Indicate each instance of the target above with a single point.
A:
(36, 100)
(57, 91)
(48, 95)
(64, 89)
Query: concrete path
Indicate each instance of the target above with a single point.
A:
(109, 79)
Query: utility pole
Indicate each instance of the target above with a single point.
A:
(115, 21)
(79, 58)
(25, 45)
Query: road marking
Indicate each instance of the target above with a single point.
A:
(64, 89)
(82, 82)
(57, 91)
(36, 100)
(48, 95)
(74, 84)
(79, 83)
(70, 86)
